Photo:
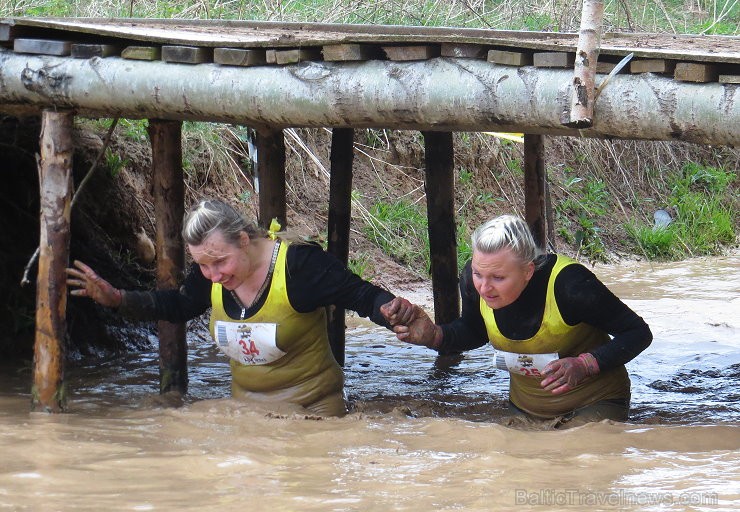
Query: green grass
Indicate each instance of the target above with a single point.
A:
(704, 202)
(400, 230)
(579, 215)
(707, 16)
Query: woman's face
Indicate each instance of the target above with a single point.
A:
(222, 261)
(499, 278)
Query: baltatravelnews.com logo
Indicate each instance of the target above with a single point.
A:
(580, 498)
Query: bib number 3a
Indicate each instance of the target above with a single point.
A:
(248, 343)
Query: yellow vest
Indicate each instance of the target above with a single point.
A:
(554, 335)
(308, 371)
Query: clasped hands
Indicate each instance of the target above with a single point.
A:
(412, 325)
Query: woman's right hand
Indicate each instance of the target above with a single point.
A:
(419, 330)
(84, 282)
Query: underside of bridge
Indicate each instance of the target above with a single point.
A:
(274, 76)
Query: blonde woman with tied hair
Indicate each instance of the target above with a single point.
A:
(267, 298)
(561, 334)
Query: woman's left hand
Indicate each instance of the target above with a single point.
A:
(564, 374)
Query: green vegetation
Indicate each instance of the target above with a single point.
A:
(704, 204)
(580, 214)
(399, 228)
(677, 16)
(114, 162)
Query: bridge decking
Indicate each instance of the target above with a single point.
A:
(720, 51)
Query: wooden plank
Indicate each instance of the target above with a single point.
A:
(652, 66)
(239, 57)
(142, 53)
(416, 52)
(508, 58)
(43, 47)
(295, 55)
(695, 72)
(9, 32)
(464, 51)
(349, 52)
(729, 79)
(604, 68)
(88, 51)
(250, 34)
(554, 59)
(187, 54)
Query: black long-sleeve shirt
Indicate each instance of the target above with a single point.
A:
(580, 296)
(315, 279)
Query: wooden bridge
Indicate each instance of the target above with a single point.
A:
(275, 75)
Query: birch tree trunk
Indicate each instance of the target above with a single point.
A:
(55, 185)
(439, 94)
(584, 73)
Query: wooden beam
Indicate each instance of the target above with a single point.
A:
(239, 57)
(416, 52)
(169, 208)
(439, 185)
(535, 178)
(150, 53)
(42, 46)
(187, 54)
(652, 66)
(340, 215)
(695, 72)
(88, 51)
(349, 52)
(584, 72)
(295, 55)
(507, 58)
(553, 59)
(271, 177)
(729, 79)
(55, 186)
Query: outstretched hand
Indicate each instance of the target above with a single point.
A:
(412, 325)
(564, 374)
(84, 282)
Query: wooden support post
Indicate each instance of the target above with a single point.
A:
(534, 188)
(340, 214)
(271, 177)
(55, 186)
(584, 72)
(439, 185)
(169, 208)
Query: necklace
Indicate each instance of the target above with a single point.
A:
(262, 289)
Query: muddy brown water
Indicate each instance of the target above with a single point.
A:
(424, 433)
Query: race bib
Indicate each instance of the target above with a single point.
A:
(248, 343)
(530, 365)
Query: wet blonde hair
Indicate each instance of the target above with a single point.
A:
(211, 215)
(507, 232)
